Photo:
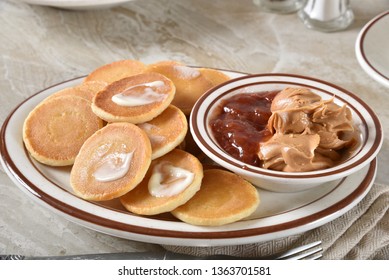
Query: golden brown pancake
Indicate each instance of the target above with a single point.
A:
(166, 131)
(224, 198)
(55, 130)
(111, 162)
(115, 71)
(162, 197)
(216, 77)
(190, 83)
(135, 99)
(85, 90)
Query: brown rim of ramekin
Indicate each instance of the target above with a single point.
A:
(248, 168)
(76, 213)
(361, 47)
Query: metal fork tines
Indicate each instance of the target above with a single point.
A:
(311, 251)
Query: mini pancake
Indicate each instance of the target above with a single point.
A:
(190, 83)
(224, 198)
(115, 71)
(170, 182)
(111, 162)
(55, 130)
(136, 99)
(166, 131)
(215, 76)
(85, 90)
(89, 89)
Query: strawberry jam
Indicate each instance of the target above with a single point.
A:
(239, 124)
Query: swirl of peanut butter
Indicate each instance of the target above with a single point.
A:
(309, 133)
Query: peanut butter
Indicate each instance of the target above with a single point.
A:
(309, 133)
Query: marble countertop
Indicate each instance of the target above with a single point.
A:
(41, 46)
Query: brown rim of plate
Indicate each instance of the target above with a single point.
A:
(76, 213)
(361, 42)
(248, 168)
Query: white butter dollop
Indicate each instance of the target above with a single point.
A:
(147, 95)
(168, 180)
(114, 166)
(155, 139)
(185, 72)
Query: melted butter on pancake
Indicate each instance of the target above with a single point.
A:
(189, 82)
(114, 166)
(166, 131)
(185, 72)
(149, 128)
(171, 170)
(136, 99)
(139, 95)
(112, 162)
(168, 180)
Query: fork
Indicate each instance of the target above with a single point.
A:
(311, 251)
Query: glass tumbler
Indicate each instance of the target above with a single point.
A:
(280, 6)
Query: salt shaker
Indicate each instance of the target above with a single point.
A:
(327, 15)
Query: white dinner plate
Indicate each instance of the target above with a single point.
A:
(76, 4)
(278, 215)
(372, 48)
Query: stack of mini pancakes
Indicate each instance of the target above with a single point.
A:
(124, 130)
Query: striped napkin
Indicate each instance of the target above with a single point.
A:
(361, 233)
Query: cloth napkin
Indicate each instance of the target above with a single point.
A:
(361, 233)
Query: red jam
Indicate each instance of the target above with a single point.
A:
(239, 124)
